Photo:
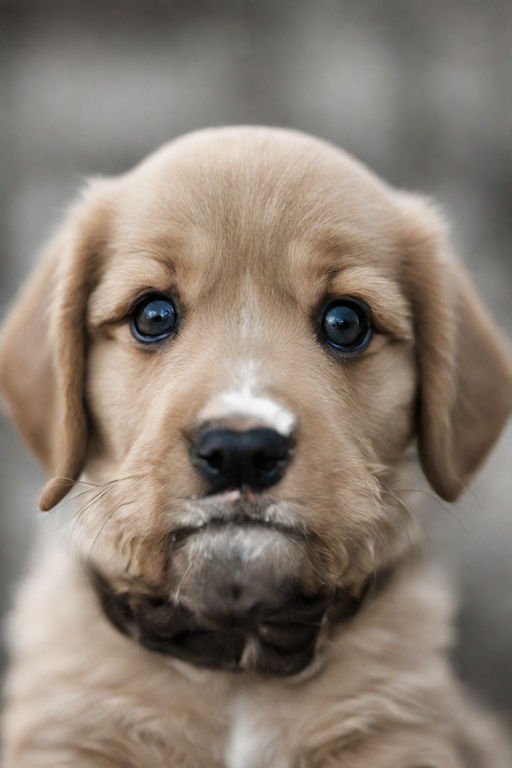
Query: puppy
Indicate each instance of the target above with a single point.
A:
(236, 347)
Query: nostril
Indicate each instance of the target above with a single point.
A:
(214, 458)
(265, 462)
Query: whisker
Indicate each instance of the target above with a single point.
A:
(444, 506)
(69, 499)
(102, 527)
(181, 582)
(395, 494)
(99, 495)
(76, 496)
(475, 498)
(72, 480)
(103, 486)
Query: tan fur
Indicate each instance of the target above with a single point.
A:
(249, 229)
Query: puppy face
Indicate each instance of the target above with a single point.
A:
(246, 332)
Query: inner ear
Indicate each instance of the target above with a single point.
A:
(42, 348)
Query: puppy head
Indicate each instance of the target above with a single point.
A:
(236, 342)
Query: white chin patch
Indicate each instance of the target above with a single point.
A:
(243, 404)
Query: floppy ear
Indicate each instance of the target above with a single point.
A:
(465, 390)
(42, 347)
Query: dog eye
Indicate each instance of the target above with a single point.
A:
(154, 318)
(345, 325)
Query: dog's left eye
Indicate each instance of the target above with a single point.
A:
(154, 318)
(345, 325)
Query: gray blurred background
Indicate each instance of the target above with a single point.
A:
(419, 91)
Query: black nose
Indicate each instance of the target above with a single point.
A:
(227, 458)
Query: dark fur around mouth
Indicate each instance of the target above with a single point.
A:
(277, 635)
(282, 642)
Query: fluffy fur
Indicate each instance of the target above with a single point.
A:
(249, 229)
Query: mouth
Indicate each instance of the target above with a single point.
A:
(241, 592)
(240, 507)
(239, 519)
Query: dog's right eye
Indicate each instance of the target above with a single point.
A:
(154, 318)
(345, 325)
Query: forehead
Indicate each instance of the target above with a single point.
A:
(266, 204)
